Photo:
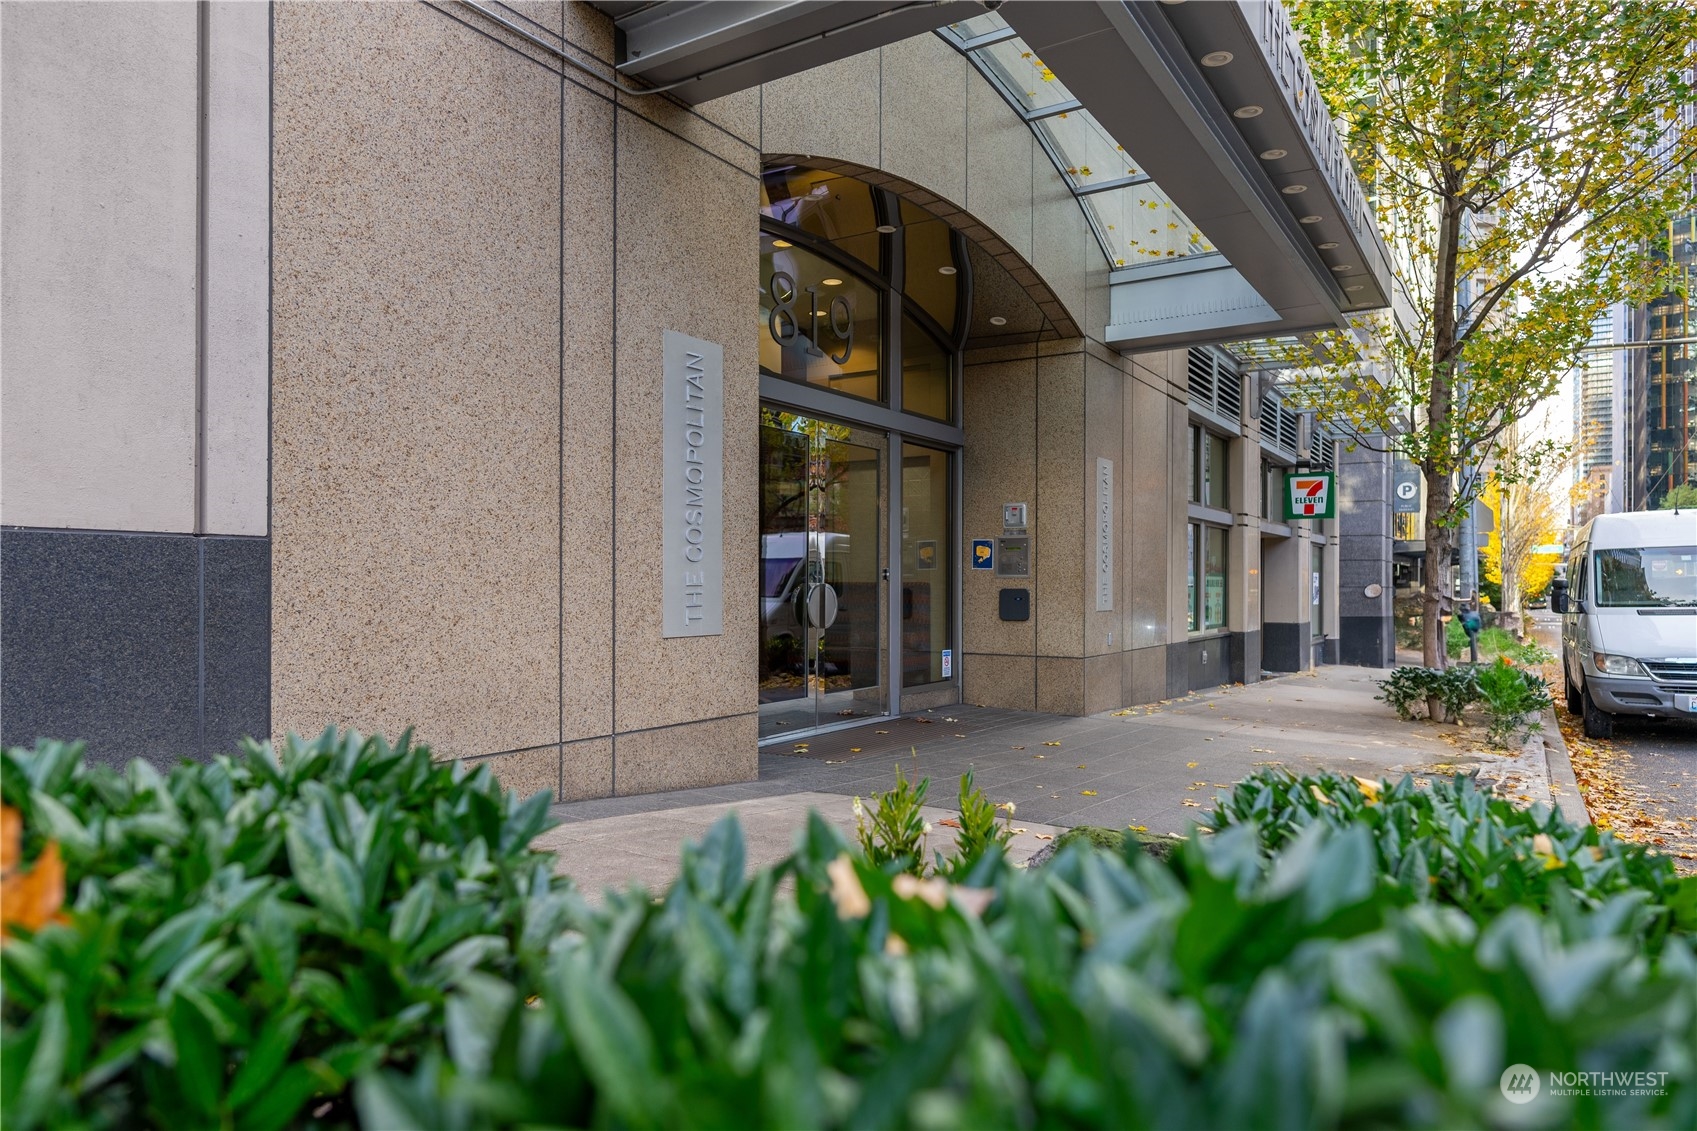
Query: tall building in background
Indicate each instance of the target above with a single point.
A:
(1594, 390)
(1670, 394)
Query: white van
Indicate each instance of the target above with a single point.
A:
(1629, 618)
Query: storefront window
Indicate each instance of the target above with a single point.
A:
(1206, 558)
(1207, 468)
(1317, 586)
(928, 567)
(928, 264)
(927, 374)
(819, 322)
(837, 209)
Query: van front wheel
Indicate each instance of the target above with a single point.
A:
(1598, 722)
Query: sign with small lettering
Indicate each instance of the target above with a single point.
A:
(692, 495)
(1104, 535)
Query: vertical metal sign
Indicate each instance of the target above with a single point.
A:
(692, 431)
(1408, 479)
(1104, 535)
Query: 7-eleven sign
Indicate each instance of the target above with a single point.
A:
(1310, 494)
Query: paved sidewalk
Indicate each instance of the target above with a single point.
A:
(1157, 767)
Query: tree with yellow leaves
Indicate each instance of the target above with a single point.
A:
(1531, 519)
(1495, 138)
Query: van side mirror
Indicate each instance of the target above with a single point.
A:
(1558, 596)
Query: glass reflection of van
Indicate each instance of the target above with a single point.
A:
(1629, 619)
(788, 573)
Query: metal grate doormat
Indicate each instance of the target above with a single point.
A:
(898, 735)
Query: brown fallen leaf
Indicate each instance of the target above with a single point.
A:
(1192, 804)
(949, 822)
(1044, 836)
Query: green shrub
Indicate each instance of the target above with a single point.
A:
(247, 936)
(1331, 955)
(1513, 699)
(1106, 840)
(1409, 687)
(980, 834)
(1459, 844)
(892, 830)
(1240, 988)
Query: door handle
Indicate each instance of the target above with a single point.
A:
(819, 606)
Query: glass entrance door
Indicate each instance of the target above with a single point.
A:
(824, 502)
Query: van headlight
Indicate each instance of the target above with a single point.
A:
(1618, 665)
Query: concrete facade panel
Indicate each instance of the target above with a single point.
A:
(416, 417)
(235, 592)
(525, 772)
(586, 419)
(1104, 679)
(923, 119)
(830, 110)
(687, 252)
(684, 757)
(98, 285)
(1000, 681)
(1058, 512)
(1066, 254)
(1104, 431)
(999, 156)
(1060, 685)
(235, 475)
(100, 636)
(1000, 402)
(1148, 534)
(586, 769)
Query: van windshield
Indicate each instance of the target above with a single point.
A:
(1658, 576)
(777, 571)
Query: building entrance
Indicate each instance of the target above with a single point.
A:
(824, 570)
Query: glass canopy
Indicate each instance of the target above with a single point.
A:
(1135, 222)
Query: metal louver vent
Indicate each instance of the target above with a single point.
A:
(1214, 384)
(1202, 377)
(1229, 388)
(1287, 428)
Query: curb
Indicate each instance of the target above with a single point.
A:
(1564, 787)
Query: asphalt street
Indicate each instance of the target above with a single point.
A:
(1644, 779)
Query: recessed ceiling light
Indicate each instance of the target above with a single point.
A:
(1292, 190)
(945, 270)
(886, 228)
(1274, 154)
(1217, 58)
(998, 320)
(1247, 112)
(782, 243)
(1310, 219)
(1356, 287)
(832, 282)
(1325, 246)
(1342, 267)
